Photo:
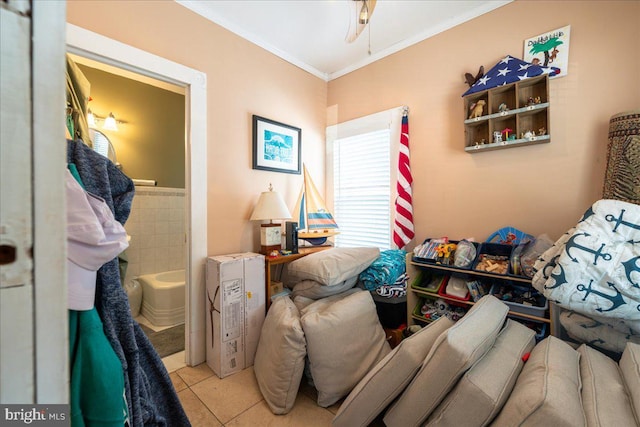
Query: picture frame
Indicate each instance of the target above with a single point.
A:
(550, 49)
(276, 146)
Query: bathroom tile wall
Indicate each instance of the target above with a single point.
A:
(157, 229)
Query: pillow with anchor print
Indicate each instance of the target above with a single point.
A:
(597, 333)
(546, 262)
(598, 269)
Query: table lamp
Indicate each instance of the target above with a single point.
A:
(270, 206)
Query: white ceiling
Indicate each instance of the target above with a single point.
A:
(311, 33)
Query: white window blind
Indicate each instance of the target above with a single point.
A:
(362, 189)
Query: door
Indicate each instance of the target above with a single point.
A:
(33, 314)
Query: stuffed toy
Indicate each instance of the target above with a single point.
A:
(477, 108)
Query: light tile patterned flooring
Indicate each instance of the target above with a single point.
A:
(236, 400)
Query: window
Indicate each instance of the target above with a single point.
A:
(361, 178)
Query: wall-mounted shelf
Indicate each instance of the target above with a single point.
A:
(522, 107)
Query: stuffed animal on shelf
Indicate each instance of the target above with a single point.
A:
(472, 80)
(477, 108)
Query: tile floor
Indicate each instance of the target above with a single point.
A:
(236, 400)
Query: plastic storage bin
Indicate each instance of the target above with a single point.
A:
(443, 289)
(428, 255)
(429, 282)
(493, 258)
(541, 304)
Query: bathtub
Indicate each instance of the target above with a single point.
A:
(163, 297)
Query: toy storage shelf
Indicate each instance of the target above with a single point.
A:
(526, 114)
(414, 295)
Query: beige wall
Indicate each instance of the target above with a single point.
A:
(541, 188)
(242, 79)
(150, 142)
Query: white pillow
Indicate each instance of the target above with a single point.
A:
(344, 341)
(547, 392)
(314, 290)
(601, 284)
(453, 353)
(389, 377)
(604, 397)
(279, 361)
(331, 266)
(483, 389)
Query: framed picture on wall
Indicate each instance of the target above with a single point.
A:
(276, 146)
(550, 49)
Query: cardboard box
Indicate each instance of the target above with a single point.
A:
(254, 304)
(235, 311)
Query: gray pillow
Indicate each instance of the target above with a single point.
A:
(314, 290)
(604, 396)
(483, 389)
(630, 370)
(389, 377)
(332, 266)
(279, 360)
(303, 302)
(453, 353)
(547, 392)
(344, 341)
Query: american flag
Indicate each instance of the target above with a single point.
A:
(510, 70)
(403, 227)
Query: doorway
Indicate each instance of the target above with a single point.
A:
(93, 46)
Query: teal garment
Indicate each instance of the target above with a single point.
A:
(74, 172)
(97, 378)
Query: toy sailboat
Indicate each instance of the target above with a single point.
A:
(315, 222)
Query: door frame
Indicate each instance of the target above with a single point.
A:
(94, 46)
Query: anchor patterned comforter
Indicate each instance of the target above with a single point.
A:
(594, 268)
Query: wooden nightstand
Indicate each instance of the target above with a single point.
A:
(270, 262)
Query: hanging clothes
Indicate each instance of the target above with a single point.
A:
(78, 90)
(151, 397)
(93, 238)
(97, 380)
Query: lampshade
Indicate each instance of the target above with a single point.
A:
(270, 206)
(91, 119)
(110, 123)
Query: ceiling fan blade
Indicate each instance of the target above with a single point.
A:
(357, 10)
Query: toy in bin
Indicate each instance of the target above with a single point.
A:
(465, 254)
(444, 253)
(508, 236)
(435, 309)
(498, 264)
(457, 287)
(477, 289)
(518, 295)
